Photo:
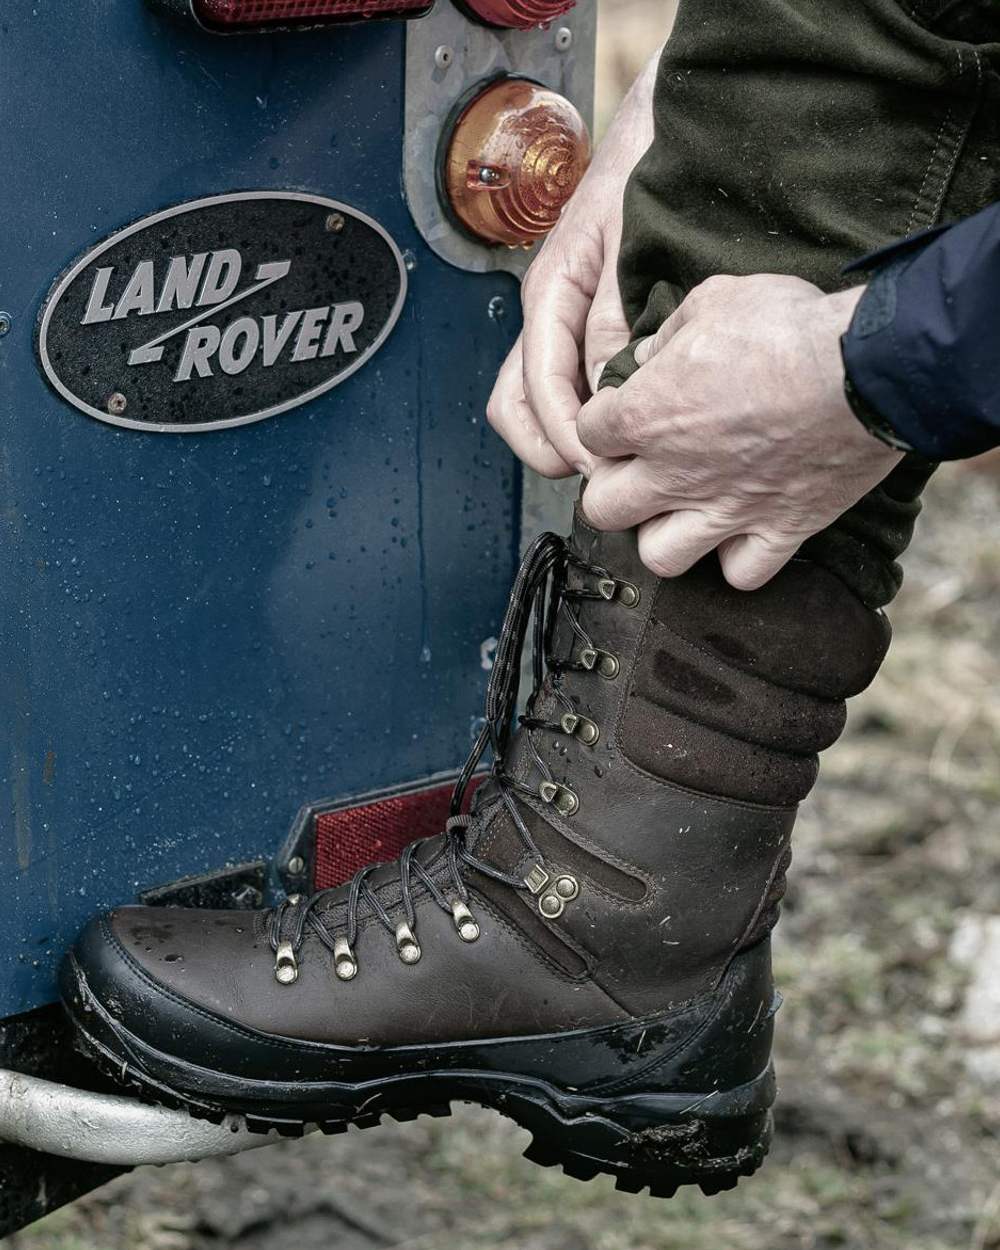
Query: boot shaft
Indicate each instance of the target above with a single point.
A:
(699, 714)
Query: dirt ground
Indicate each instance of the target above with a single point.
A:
(888, 1125)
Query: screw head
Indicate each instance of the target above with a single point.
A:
(5, 323)
(443, 56)
(564, 39)
(117, 403)
(296, 866)
(335, 223)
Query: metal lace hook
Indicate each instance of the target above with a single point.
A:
(407, 944)
(345, 964)
(465, 922)
(286, 966)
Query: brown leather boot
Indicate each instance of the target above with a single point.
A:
(588, 951)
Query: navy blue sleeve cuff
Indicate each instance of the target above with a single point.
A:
(922, 347)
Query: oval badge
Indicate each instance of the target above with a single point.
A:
(221, 311)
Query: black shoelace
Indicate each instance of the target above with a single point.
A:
(539, 590)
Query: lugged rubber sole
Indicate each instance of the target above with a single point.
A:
(653, 1141)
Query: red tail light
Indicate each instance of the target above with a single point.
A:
(520, 14)
(235, 15)
(515, 157)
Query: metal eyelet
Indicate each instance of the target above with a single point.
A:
(553, 893)
(563, 890)
(406, 943)
(567, 887)
(603, 662)
(624, 593)
(580, 727)
(562, 798)
(465, 922)
(345, 965)
(286, 966)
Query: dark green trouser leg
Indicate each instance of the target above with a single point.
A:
(793, 136)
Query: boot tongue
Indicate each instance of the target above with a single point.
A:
(493, 835)
(617, 552)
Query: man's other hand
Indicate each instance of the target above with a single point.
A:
(734, 432)
(573, 318)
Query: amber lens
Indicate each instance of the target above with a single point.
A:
(519, 14)
(516, 155)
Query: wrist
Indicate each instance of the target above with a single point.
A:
(830, 317)
(867, 416)
(829, 326)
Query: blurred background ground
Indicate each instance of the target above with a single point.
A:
(888, 1126)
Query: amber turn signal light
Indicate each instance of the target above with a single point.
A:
(515, 156)
(519, 14)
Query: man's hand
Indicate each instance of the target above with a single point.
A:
(734, 432)
(573, 318)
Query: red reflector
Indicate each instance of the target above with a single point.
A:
(233, 14)
(351, 837)
(520, 14)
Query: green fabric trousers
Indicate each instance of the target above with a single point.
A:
(793, 136)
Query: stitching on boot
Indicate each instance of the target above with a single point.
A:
(780, 868)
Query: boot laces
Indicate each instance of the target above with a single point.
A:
(540, 591)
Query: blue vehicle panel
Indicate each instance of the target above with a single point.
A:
(199, 632)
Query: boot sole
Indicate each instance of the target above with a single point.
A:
(652, 1141)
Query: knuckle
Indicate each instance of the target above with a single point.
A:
(779, 540)
(659, 558)
(630, 421)
(598, 509)
(532, 275)
(743, 578)
(494, 412)
(587, 432)
(718, 517)
(715, 284)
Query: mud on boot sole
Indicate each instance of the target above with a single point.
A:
(655, 1141)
